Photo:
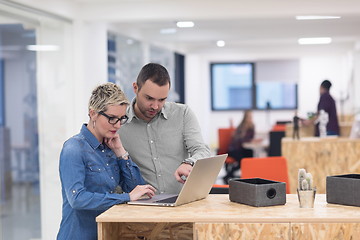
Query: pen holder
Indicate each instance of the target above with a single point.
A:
(306, 198)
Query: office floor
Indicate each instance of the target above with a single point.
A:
(20, 215)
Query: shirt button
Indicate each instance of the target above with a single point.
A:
(155, 158)
(148, 125)
(102, 150)
(162, 192)
(111, 192)
(73, 191)
(99, 169)
(159, 175)
(151, 141)
(112, 177)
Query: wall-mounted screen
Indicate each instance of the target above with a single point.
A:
(232, 86)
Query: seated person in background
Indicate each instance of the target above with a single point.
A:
(244, 133)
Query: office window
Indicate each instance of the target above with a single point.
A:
(269, 84)
(2, 94)
(276, 84)
(232, 86)
(276, 95)
(125, 59)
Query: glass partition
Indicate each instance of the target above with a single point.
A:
(36, 89)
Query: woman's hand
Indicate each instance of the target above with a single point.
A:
(115, 145)
(141, 190)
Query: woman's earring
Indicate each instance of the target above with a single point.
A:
(94, 123)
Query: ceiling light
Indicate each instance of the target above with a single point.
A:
(314, 17)
(42, 47)
(322, 40)
(168, 31)
(220, 43)
(130, 41)
(185, 24)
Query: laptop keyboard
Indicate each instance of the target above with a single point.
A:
(168, 200)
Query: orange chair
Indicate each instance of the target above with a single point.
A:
(271, 168)
(279, 128)
(219, 189)
(224, 135)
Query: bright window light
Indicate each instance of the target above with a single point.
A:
(185, 24)
(42, 48)
(220, 43)
(322, 40)
(314, 17)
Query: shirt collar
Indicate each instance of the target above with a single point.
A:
(94, 143)
(130, 112)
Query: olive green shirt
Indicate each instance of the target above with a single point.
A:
(158, 147)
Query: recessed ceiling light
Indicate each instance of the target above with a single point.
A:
(220, 43)
(322, 40)
(168, 31)
(185, 24)
(315, 17)
(42, 47)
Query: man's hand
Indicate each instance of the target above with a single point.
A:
(183, 170)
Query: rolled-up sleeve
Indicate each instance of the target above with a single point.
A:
(192, 136)
(130, 175)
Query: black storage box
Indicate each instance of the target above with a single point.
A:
(343, 189)
(257, 192)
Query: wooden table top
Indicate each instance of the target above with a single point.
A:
(218, 208)
(319, 140)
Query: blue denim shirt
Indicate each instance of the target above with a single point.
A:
(90, 173)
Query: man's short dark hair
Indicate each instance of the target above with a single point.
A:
(155, 73)
(326, 84)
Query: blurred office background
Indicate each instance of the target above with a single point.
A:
(53, 53)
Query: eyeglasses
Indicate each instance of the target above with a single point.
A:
(115, 120)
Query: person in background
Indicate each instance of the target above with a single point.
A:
(296, 126)
(96, 172)
(326, 103)
(163, 138)
(245, 132)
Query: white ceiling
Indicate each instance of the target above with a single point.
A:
(245, 25)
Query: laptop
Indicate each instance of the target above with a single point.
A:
(196, 187)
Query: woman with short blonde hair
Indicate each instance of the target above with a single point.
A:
(96, 172)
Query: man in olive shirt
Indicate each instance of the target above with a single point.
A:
(163, 138)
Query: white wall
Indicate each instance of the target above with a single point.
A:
(316, 69)
(90, 44)
(356, 79)
(65, 81)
